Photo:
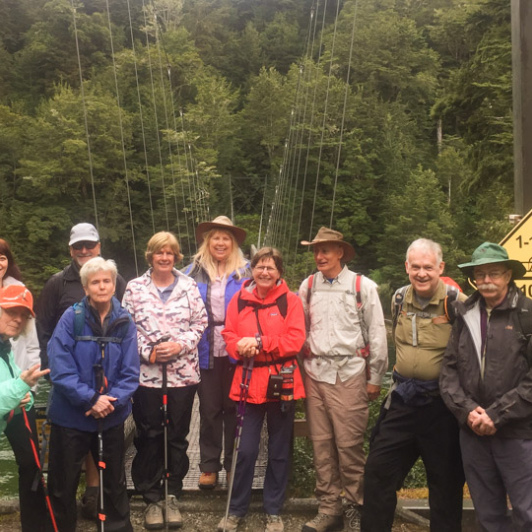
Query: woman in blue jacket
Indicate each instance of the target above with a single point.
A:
(219, 269)
(94, 367)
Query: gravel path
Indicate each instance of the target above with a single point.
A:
(202, 512)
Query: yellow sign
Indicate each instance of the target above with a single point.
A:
(518, 244)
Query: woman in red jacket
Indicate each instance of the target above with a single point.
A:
(266, 321)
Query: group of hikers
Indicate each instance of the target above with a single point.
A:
(230, 330)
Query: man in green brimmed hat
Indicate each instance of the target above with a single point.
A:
(486, 382)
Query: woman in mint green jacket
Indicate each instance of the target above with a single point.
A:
(16, 309)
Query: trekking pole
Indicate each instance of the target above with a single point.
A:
(101, 386)
(40, 472)
(247, 368)
(166, 473)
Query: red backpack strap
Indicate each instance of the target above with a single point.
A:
(309, 289)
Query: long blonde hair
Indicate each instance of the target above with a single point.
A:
(235, 262)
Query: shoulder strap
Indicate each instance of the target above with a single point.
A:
(398, 300)
(281, 302)
(309, 288)
(360, 309)
(79, 319)
(450, 297)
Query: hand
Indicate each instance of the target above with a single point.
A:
(166, 351)
(25, 400)
(32, 375)
(480, 423)
(102, 407)
(373, 390)
(247, 347)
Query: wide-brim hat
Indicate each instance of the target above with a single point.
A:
(330, 236)
(223, 223)
(13, 296)
(490, 253)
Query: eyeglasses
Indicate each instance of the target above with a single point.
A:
(494, 275)
(267, 269)
(87, 245)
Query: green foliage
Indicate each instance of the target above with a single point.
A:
(248, 108)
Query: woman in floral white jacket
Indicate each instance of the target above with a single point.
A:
(170, 316)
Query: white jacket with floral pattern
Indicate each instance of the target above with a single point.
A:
(183, 318)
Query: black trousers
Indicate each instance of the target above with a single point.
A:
(148, 465)
(402, 435)
(68, 449)
(33, 513)
(217, 416)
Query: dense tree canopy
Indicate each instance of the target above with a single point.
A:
(390, 119)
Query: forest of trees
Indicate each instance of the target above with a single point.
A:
(390, 118)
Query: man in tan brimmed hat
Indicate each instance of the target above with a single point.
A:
(344, 368)
(486, 382)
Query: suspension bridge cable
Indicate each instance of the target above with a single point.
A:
(85, 118)
(167, 123)
(310, 43)
(329, 77)
(141, 117)
(119, 110)
(343, 114)
(311, 125)
(155, 116)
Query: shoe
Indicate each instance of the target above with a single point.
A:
(208, 481)
(274, 523)
(172, 513)
(89, 503)
(228, 525)
(324, 523)
(153, 516)
(353, 513)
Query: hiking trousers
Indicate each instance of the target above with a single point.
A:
(402, 435)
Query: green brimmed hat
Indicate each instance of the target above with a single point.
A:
(489, 253)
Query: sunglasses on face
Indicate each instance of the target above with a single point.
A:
(87, 245)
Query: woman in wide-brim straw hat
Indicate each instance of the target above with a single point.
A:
(219, 269)
(330, 236)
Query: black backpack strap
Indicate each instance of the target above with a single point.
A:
(398, 300)
(450, 298)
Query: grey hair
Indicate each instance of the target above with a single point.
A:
(424, 244)
(95, 265)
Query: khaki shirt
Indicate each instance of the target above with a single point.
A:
(334, 329)
(421, 335)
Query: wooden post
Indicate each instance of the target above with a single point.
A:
(522, 103)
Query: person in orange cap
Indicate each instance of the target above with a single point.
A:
(16, 311)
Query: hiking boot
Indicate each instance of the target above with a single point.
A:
(324, 523)
(172, 513)
(353, 513)
(274, 523)
(89, 503)
(153, 516)
(228, 525)
(208, 481)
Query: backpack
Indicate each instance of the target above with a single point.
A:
(451, 295)
(79, 321)
(281, 302)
